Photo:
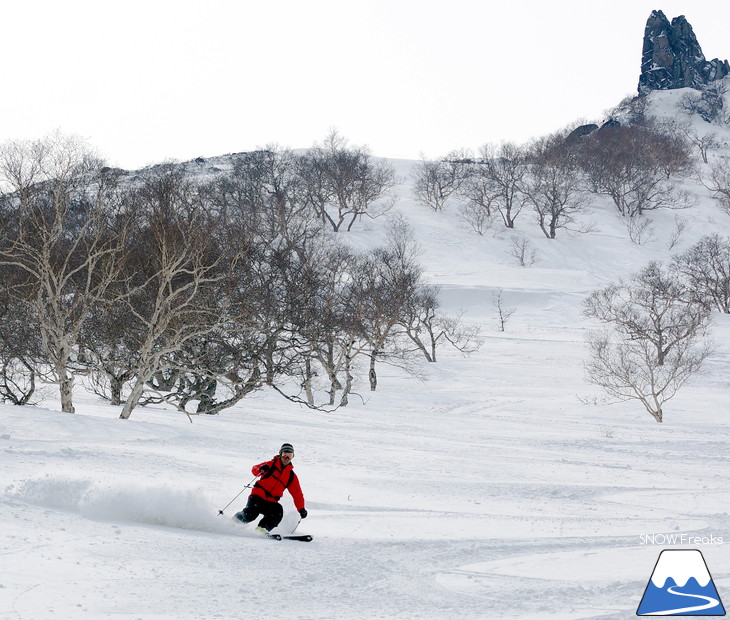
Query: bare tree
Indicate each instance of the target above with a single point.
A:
(639, 229)
(706, 269)
(339, 328)
(385, 280)
(63, 235)
(635, 167)
(109, 350)
(554, 185)
(717, 180)
(702, 142)
(479, 210)
(324, 321)
(267, 201)
(500, 174)
(627, 370)
(503, 314)
(170, 294)
(680, 225)
(522, 251)
(428, 327)
(263, 195)
(709, 104)
(653, 340)
(479, 217)
(346, 182)
(21, 354)
(435, 181)
(420, 321)
(691, 103)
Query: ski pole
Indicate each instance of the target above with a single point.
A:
(248, 486)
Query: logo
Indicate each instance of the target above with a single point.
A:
(680, 585)
(680, 539)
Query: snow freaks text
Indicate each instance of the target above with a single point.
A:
(680, 539)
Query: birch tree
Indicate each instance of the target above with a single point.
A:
(427, 327)
(171, 295)
(503, 169)
(346, 183)
(21, 356)
(652, 341)
(63, 235)
(435, 181)
(634, 166)
(385, 280)
(717, 179)
(706, 269)
(554, 185)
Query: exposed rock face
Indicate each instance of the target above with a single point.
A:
(580, 132)
(587, 130)
(672, 57)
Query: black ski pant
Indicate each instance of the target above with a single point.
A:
(272, 512)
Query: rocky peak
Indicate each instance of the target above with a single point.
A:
(672, 57)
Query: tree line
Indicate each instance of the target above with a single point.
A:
(160, 287)
(639, 167)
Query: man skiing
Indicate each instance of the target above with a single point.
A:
(275, 476)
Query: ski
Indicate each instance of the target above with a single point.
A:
(301, 537)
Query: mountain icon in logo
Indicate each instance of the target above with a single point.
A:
(680, 585)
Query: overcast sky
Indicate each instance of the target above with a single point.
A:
(146, 81)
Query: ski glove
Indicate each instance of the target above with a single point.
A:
(263, 469)
(303, 513)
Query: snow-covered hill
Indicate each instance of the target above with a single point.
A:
(500, 486)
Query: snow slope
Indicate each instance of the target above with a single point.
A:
(500, 486)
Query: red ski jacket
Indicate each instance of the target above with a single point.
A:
(278, 478)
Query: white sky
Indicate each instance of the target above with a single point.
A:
(151, 80)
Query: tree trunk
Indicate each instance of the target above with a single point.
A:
(66, 384)
(422, 347)
(133, 400)
(372, 375)
(657, 412)
(207, 403)
(308, 376)
(433, 345)
(352, 221)
(334, 386)
(348, 382)
(116, 390)
(269, 354)
(329, 366)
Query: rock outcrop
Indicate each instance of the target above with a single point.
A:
(672, 57)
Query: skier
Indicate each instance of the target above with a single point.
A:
(275, 476)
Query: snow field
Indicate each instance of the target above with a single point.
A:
(500, 486)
